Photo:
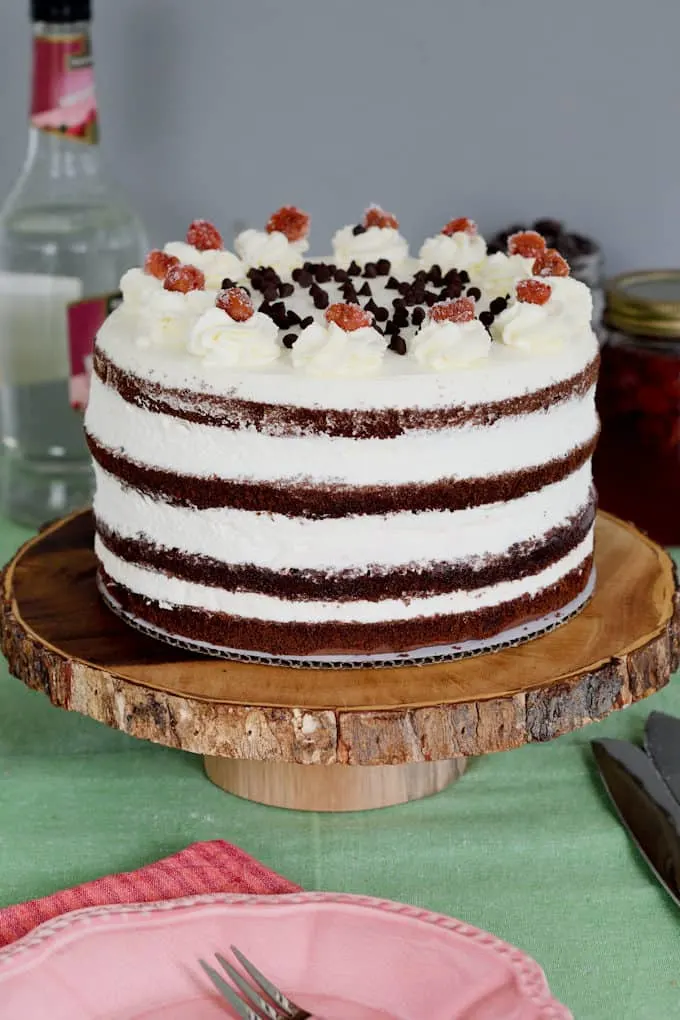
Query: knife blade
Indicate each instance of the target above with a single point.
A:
(662, 744)
(645, 806)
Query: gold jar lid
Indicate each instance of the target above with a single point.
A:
(645, 303)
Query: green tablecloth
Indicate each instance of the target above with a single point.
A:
(524, 845)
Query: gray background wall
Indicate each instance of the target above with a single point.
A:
(499, 109)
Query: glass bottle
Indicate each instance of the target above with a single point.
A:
(637, 461)
(65, 241)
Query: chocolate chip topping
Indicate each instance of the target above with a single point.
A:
(383, 266)
(365, 290)
(397, 344)
(371, 307)
(354, 269)
(359, 229)
(486, 318)
(341, 275)
(227, 284)
(417, 316)
(303, 278)
(474, 293)
(381, 314)
(370, 270)
(498, 305)
(289, 339)
(324, 273)
(270, 292)
(392, 283)
(307, 321)
(463, 275)
(319, 296)
(286, 289)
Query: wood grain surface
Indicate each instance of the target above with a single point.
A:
(59, 638)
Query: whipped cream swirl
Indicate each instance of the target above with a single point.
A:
(331, 352)
(138, 287)
(457, 251)
(371, 244)
(497, 274)
(575, 297)
(216, 264)
(168, 316)
(220, 340)
(536, 329)
(444, 346)
(258, 248)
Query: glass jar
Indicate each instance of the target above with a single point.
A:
(637, 461)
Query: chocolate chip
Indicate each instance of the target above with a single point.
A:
(304, 278)
(449, 277)
(354, 269)
(309, 267)
(486, 318)
(370, 270)
(435, 275)
(289, 339)
(359, 229)
(464, 276)
(400, 317)
(319, 296)
(420, 277)
(270, 292)
(323, 273)
(474, 293)
(391, 327)
(403, 286)
(349, 294)
(417, 316)
(430, 298)
(392, 283)
(293, 318)
(365, 289)
(381, 314)
(398, 302)
(498, 305)
(383, 266)
(307, 321)
(227, 284)
(279, 313)
(286, 289)
(265, 308)
(371, 307)
(397, 344)
(341, 275)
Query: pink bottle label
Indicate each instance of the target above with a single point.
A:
(63, 87)
(84, 320)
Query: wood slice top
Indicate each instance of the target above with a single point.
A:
(60, 638)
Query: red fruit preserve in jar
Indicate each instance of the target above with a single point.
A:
(637, 462)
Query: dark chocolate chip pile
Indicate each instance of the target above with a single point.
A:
(568, 243)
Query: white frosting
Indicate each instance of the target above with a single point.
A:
(137, 287)
(216, 264)
(191, 448)
(157, 585)
(328, 351)
(169, 315)
(457, 251)
(536, 329)
(392, 540)
(373, 244)
(497, 274)
(401, 383)
(575, 298)
(218, 339)
(258, 248)
(443, 346)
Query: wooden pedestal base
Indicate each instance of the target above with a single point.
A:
(338, 740)
(331, 787)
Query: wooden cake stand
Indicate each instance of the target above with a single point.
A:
(328, 739)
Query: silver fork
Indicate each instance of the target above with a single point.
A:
(259, 999)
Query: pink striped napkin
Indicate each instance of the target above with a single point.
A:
(209, 867)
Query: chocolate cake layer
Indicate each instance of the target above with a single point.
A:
(288, 420)
(300, 499)
(276, 638)
(376, 583)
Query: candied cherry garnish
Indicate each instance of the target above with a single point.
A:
(289, 220)
(204, 236)
(235, 301)
(550, 263)
(184, 279)
(377, 217)
(462, 225)
(528, 243)
(533, 292)
(348, 317)
(157, 263)
(459, 310)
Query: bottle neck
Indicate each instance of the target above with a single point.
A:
(63, 136)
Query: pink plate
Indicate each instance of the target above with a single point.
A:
(345, 957)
